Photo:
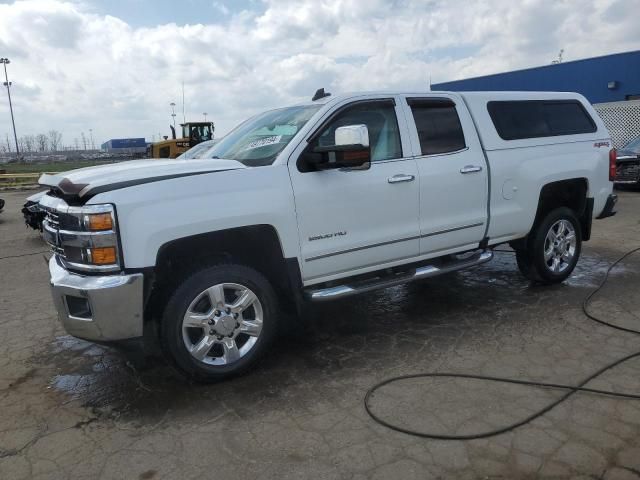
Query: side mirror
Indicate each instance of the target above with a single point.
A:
(352, 136)
(351, 149)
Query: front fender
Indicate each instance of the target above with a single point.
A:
(153, 215)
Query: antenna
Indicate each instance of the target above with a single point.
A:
(320, 93)
(559, 59)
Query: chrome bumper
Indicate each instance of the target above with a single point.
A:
(99, 308)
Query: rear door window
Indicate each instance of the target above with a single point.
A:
(521, 119)
(438, 125)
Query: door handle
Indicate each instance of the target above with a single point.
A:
(401, 178)
(470, 169)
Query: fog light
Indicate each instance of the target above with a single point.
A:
(103, 256)
(78, 307)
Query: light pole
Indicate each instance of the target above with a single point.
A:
(205, 116)
(7, 84)
(91, 139)
(173, 113)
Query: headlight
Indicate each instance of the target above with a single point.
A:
(84, 238)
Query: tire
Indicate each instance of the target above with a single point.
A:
(553, 248)
(206, 336)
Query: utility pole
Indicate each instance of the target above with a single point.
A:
(184, 118)
(205, 116)
(7, 84)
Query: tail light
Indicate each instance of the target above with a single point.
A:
(612, 164)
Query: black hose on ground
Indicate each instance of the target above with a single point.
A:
(572, 389)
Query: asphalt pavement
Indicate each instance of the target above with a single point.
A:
(71, 409)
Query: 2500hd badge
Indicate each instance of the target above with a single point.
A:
(328, 235)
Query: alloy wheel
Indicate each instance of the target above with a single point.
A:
(222, 324)
(560, 246)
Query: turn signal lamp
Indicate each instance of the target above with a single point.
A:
(99, 221)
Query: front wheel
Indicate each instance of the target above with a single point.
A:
(553, 248)
(219, 322)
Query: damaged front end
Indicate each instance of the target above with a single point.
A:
(33, 213)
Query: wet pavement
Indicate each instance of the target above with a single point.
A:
(71, 409)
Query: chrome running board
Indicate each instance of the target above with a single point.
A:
(426, 271)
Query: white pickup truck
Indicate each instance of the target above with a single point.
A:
(320, 201)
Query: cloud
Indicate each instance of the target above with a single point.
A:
(74, 69)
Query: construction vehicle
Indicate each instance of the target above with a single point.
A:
(193, 133)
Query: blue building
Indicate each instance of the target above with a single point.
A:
(611, 78)
(125, 145)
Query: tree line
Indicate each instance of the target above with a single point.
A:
(49, 142)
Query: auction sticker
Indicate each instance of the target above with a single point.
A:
(263, 142)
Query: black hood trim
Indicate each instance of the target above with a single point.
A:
(141, 181)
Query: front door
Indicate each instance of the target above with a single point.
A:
(356, 220)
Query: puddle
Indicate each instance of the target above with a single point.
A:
(99, 377)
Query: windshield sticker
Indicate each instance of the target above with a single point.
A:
(263, 142)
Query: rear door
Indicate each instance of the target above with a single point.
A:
(452, 171)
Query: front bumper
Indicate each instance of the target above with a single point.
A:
(608, 210)
(98, 308)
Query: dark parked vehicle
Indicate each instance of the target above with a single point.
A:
(1, 204)
(628, 164)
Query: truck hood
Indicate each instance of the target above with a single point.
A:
(93, 180)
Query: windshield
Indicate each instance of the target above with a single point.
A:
(259, 140)
(199, 151)
(633, 144)
(198, 132)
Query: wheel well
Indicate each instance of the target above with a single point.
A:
(256, 246)
(565, 193)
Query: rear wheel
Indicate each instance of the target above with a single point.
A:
(553, 248)
(219, 322)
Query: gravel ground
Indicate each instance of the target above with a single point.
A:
(70, 409)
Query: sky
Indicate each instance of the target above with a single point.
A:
(114, 66)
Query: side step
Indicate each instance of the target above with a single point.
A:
(442, 266)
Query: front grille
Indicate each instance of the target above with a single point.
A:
(53, 219)
(628, 172)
